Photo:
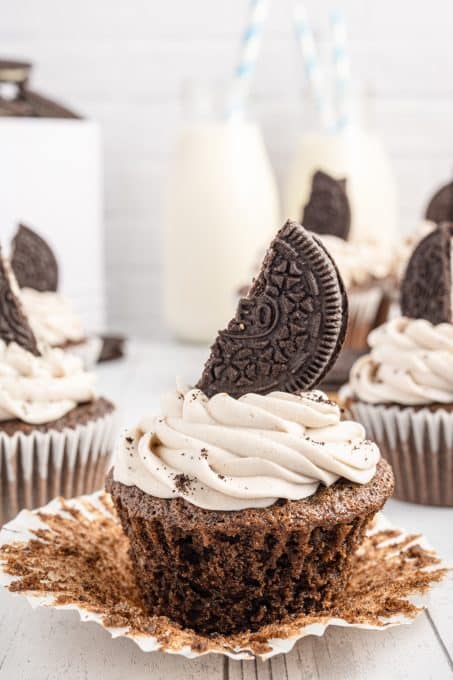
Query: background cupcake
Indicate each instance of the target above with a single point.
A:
(402, 391)
(245, 500)
(51, 315)
(55, 432)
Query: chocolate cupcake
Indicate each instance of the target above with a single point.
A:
(55, 432)
(51, 315)
(402, 391)
(245, 499)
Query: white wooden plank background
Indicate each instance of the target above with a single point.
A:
(51, 645)
(123, 63)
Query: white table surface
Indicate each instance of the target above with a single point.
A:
(50, 645)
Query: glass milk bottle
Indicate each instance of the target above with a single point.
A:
(221, 207)
(356, 154)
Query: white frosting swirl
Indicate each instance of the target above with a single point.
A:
(41, 389)
(410, 363)
(360, 261)
(51, 317)
(229, 454)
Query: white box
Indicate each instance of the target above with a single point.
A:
(51, 180)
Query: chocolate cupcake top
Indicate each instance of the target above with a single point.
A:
(41, 389)
(37, 384)
(51, 315)
(410, 363)
(411, 357)
(250, 433)
(229, 454)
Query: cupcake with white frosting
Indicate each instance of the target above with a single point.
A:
(245, 498)
(402, 391)
(51, 314)
(55, 431)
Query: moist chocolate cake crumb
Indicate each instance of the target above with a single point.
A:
(85, 561)
(224, 571)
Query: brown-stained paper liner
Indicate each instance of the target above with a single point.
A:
(365, 311)
(418, 443)
(36, 467)
(74, 555)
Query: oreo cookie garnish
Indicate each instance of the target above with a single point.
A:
(426, 289)
(14, 326)
(289, 329)
(328, 210)
(33, 261)
(440, 207)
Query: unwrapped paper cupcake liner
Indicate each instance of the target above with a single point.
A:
(73, 555)
(418, 443)
(367, 308)
(36, 467)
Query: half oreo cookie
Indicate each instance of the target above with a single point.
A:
(33, 261)
(14, 326)
(328, 210)
(440, 207)
(427, 288)
(289, 329)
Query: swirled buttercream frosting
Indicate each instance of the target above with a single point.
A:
(360, 262)
(410, 363)
(229, 454)
(41, 389)
(52, 317)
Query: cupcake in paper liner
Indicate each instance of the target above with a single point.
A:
(55, 432)
(402, 391)
(245, 499)
(51, 314)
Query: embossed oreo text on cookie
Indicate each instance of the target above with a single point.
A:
(328, 210)
(33, 261)
(426, 289)
(440, 207)
(289, 329)
(14, 326)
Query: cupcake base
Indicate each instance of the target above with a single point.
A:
(67, 457)
(223, 572)
(418, 443)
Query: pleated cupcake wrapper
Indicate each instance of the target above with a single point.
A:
(419, 446)
(89, 351)
(364, 312)
(174, 640)
(36, 467)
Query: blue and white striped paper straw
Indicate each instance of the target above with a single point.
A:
(313, 69)
(251, 43)
(341, 70)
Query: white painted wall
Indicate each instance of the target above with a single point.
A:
(123, 64)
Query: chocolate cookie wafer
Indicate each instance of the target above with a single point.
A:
(14, 326)
(33, 261)
(289, 329)
(440, 207)
(426, 289)
(328, 210)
